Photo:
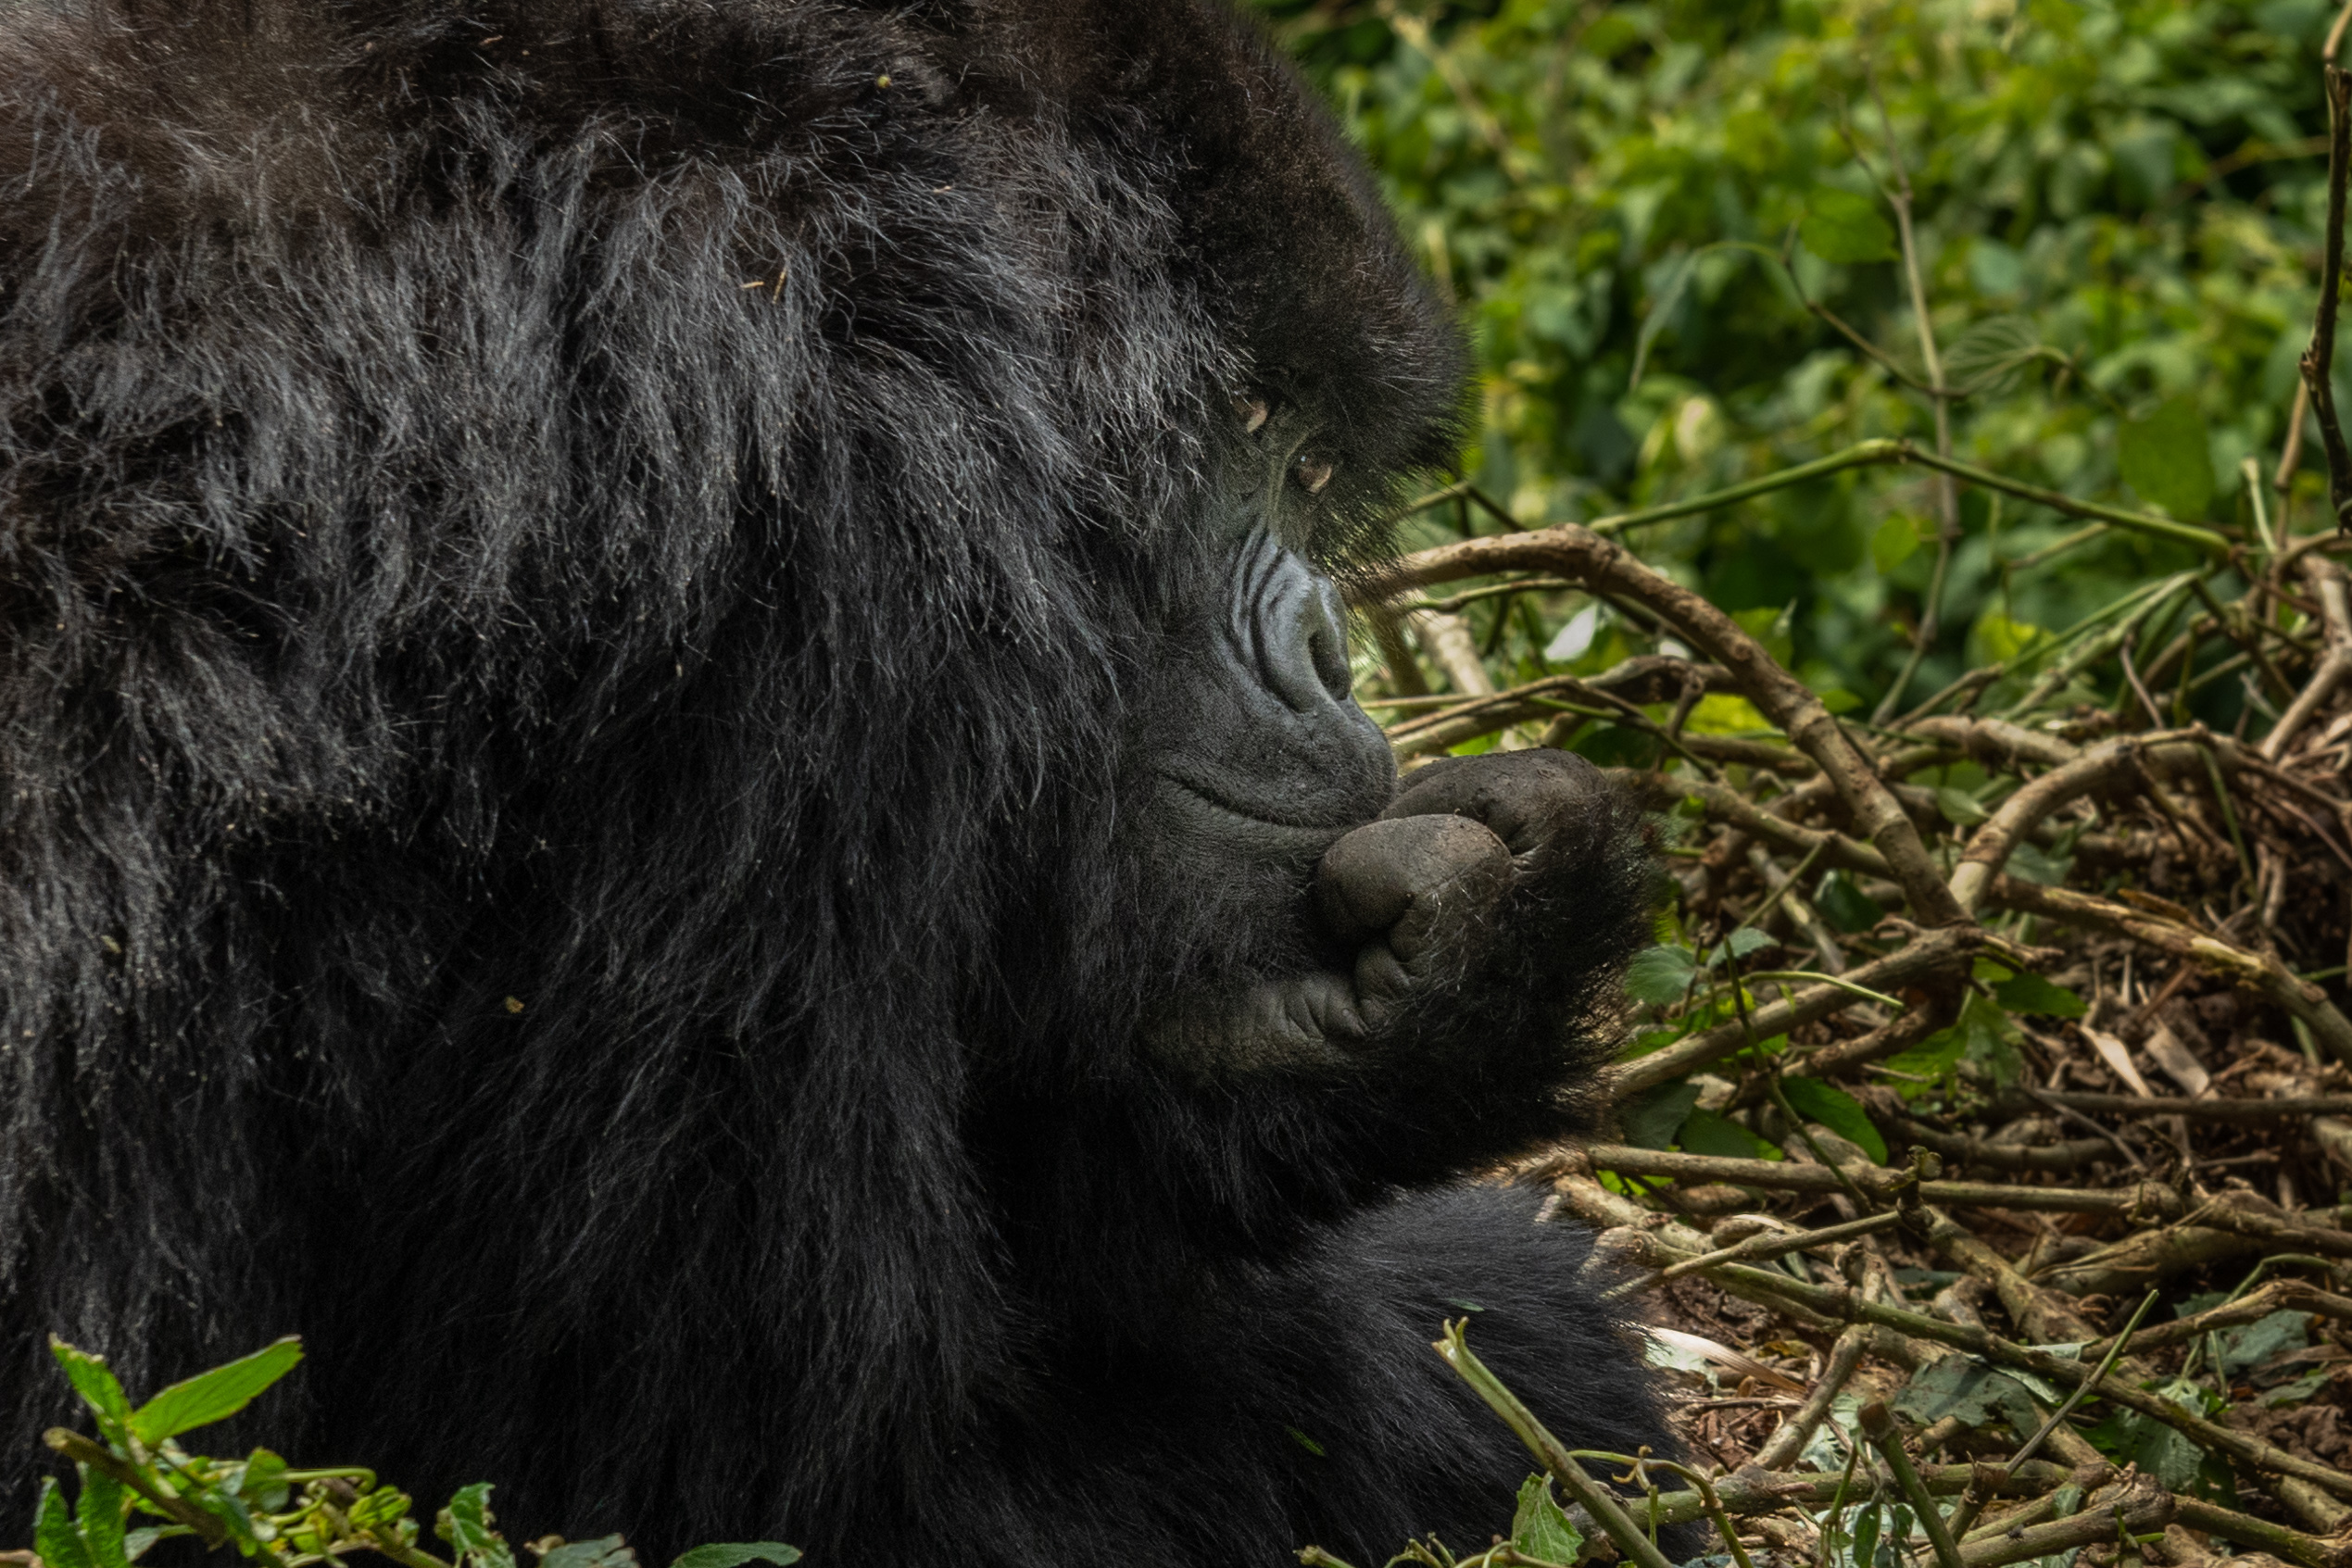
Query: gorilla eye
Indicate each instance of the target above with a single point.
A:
(1251, 412)
(1312, 472)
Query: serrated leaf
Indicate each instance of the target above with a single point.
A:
(466, 1526)
(1971, 1392)
(1661, 976)
(1986, 357)
(55, 1539)
(99, 1512)
(2249, 1345)
(1653, 1118)
(2030, 993)
(609, 1551)
(93, 1379)
(1540, 1528)
(2164, 459)
(1843, 227)
(216, 1394)
(1839, 1111)
(733, 1554)
(1742, 942)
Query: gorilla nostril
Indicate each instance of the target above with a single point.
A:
(1303, 639)
(1328, 641)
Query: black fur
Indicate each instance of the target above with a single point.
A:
(576, 583)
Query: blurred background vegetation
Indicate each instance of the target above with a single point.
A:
(1671, 228)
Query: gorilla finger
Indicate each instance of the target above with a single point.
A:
(1529, 799)
(1411, 879)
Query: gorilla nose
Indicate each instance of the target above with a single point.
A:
(1306, 642)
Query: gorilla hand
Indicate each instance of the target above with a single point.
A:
(1486, 909)
(1465, 868)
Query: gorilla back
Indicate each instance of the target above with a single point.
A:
(679, 774)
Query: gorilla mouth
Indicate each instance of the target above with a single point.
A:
(1256, 816)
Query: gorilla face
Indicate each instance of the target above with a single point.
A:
(1256, 754)
(1333, 916)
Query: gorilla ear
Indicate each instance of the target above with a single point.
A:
(1251, 411)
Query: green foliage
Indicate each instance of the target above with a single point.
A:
(1834, 1109)
(1635, 207)
(1540, 1528)
(279, 1516)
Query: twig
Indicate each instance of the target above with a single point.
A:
(1878, 1425)
(1597, 1498)
(2319, 360)
(2147, 1200)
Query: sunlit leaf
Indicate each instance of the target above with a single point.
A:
(734, 1554)
(1540, 1528)
(216, 1394)
(93, 1380)
(466, 1525)
(99, 1512)
(54, 1536)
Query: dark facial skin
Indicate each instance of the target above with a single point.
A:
(1280, 789)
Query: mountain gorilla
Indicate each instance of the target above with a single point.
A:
(679, 773)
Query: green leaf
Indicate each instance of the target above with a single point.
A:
(733, 1554)
(466, 1526)
(216, 1394)
(2030, 993)
(93, 1380)
(1973, 1393)
(1653, 1118)
(2164, 459)
(1865, 1537)
(1836, 1110)
(2249, 1345)
(1540, 1527)
(1897, 540)
(1741, 942)
(99, 1512)
(1296, 1436)
(58, 1544)
(2129, 1437)
(262, 1483)
(1660, 311)
(2031, 862)
(1843, 227)
(607, 1551)
(1705, 1132)
(1932, 1058)
(1847, 907)
(1987, 356)
(1959, 807)
(1661, 976)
